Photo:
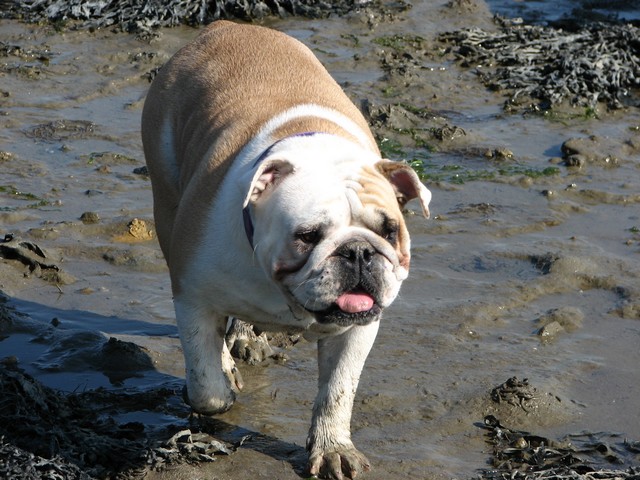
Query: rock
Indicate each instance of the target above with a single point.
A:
(576, 160)
(591, 150)
(550, 331)
(62, 130)
(140, 229)
(142, 171)
(35, 258)
(89, 218)
(567, 318)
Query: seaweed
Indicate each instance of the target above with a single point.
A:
(46, 434)
(598, 63)
(521, 455)
(143, 16)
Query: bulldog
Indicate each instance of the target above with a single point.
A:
(273, 205)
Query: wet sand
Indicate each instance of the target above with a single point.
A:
(523, 272)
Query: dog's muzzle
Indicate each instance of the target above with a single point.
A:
(360, 268)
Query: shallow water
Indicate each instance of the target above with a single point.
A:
(543, 11)
(497, 256)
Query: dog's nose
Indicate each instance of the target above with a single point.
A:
(357, 252)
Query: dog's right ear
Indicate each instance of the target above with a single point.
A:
(268, 175)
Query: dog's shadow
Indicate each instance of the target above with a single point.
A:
(131, 426)
(242, 438)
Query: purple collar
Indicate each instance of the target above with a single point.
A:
(246, 214)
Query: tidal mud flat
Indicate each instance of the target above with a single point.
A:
(518, 327)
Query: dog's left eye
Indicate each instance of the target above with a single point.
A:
(310, 237)
(390, 232)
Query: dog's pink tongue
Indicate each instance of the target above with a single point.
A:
(355, 302)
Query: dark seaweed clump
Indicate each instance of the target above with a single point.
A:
(596, 63)
(519, 455)
(46, 434)
(145, 15)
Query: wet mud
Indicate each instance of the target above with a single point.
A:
(512, 350)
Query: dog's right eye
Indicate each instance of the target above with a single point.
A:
(310, 237)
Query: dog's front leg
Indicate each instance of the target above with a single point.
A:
(340, 361)
(212, 378)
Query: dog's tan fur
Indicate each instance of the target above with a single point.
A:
(213, 112)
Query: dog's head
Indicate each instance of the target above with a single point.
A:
(328, 227)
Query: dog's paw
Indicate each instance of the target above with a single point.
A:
(208, 405)
(213, 394)
(337, 464)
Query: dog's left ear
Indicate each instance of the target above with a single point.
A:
(268, 175)
(406, 183)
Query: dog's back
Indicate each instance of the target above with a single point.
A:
(201, 110)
